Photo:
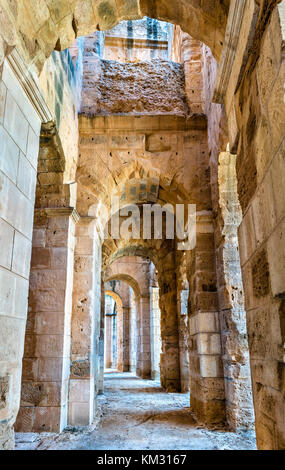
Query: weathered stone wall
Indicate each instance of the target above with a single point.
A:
(19, 140)
(45, 378)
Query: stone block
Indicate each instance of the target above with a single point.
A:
(49, 300)
(277, 173)
(21, 255)
(14, 298)
(15, 208)
(79, 390)
(39, 238)
(50, 369)
(208, 343)
(40, 394)
(47, 419)
(211, 366)
(79, 414)
(33, 148)
(26, 179)
(276, 109)
(15, 123)
(41, 258)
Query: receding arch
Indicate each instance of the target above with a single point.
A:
(125, 278)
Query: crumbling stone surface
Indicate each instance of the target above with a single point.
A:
(155, 87)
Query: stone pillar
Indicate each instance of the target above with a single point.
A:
(108, 341)
(44, 397)
(114, 342)
(205, 353)
(155, 333)
(83, 373)
(20, 126)
(237, 375)
(123, 313)
(169, 359)
(144, 363)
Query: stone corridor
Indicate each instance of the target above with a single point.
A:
(138, 414)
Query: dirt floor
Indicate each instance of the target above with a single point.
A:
(137, 414)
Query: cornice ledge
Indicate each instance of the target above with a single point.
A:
(30, 85)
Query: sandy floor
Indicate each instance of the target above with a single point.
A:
(138, 414)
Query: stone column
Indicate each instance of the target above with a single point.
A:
(169, 359)
(133, 333)
(155, 333)
(108, 341)
(44, 397)
(83, 373)
(205, 353)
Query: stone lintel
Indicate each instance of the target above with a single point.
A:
(141, 123)
(60, 212)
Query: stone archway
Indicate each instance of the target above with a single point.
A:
(110, 328)
(250, 133)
